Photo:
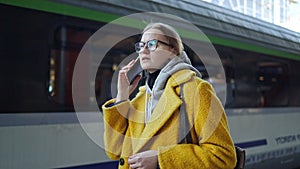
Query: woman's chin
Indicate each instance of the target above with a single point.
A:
(150, 70)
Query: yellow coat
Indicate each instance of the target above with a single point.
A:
(127, 134)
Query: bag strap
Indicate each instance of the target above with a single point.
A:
(185, 133)
(241, 158)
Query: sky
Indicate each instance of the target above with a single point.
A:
(294, 17)
(293, 14)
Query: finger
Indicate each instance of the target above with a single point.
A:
(132, 160)
(123, 71)
(126, 68)
(123, 77)
(130, 63)
(135, 165)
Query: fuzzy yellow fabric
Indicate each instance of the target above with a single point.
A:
(212, 148)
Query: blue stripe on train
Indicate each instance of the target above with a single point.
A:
(254, 143)
(114, 164)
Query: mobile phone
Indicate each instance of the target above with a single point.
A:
(135, 70)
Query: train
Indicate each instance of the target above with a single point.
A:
(42, 40)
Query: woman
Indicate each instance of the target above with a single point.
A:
(145, 132)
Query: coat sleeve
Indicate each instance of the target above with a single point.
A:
(115, 127)
(212, 144)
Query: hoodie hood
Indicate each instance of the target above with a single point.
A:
(176, 64)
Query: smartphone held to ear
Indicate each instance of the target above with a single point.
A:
(135, 70)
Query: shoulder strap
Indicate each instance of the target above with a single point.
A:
(185, 134)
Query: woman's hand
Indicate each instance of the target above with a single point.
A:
(144, 160)
(124, 87)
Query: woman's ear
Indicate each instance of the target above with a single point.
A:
(173, 50)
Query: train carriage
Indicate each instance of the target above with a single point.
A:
(42, 39)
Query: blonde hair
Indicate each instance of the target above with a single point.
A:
(170, 33)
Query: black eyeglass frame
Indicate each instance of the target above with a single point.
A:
(146, 44)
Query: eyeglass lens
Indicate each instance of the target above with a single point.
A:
(150, 45)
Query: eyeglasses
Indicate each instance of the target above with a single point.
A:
(151, 45)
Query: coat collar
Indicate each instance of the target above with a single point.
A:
(168, 104)
(176, 79)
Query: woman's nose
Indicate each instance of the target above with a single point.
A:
(145, 50)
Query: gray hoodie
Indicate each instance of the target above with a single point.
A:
(178, 63)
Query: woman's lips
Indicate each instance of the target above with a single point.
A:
(144, 58)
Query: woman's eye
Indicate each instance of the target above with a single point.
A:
(142, 45)
(152, 44)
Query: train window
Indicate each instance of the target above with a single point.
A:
(106, 79)
(233, 91)
(258, 80)
(228, 66)
(253, 79)
(68, 41)
(273, 82)
(294, 83)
